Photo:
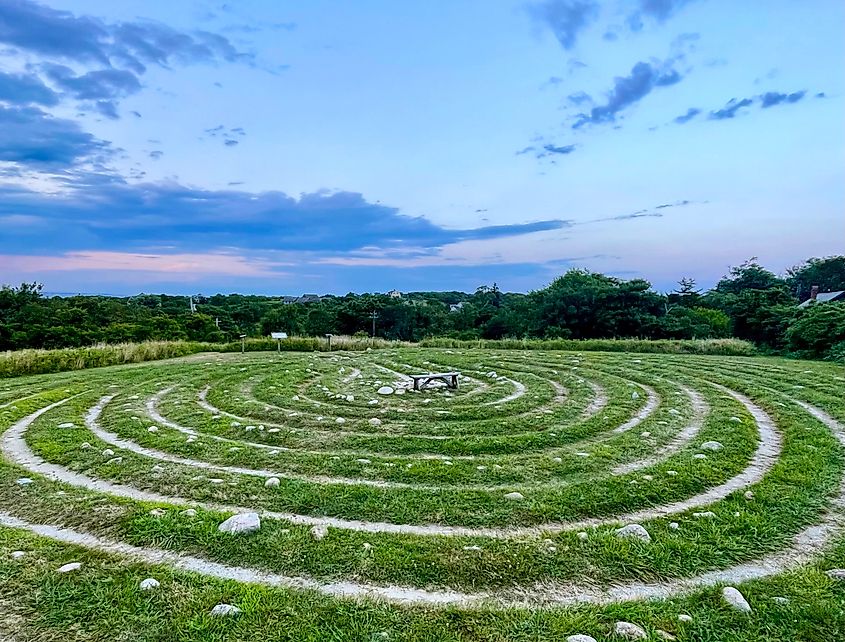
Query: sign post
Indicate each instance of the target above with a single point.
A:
(278, 336)
(243, 343)
(329, 337)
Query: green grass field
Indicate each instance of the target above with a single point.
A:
(488, 512)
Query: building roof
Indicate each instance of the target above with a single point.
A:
(824, 297)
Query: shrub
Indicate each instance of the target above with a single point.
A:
(817, 329)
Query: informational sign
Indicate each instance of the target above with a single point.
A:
(278, 335)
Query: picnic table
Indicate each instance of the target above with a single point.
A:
(449, 378)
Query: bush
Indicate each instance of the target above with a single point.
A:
(817, 329)
(730, 347)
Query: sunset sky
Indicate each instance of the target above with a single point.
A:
(280, 147)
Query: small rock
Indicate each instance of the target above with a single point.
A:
(152, 429)
(580, 638)
(472, 548)
(635, 395)
(149, 584)
(558, 460)
(158, 512)
(84, 445)
(272, 482)
(66, 425)
(69, 568)
(708, 514)
(780, 600)
(23, 481)
(188, 512)
(363, 460)
(635, 531)
(711, 445)
(645, 434)
(319, 531)
(736, 420)
(582, 535)
(671, 473)
(157, 468)
(665, 635)
(115, 460)
(699, 456)
(683, 617)
(340, 420)
(241, 524)
(16, 555)
(108, 452)
(223, 610)
(515, 497)
(748, 495)
(735, 599)
(385, 390)
(630, 631)
(674, 526)
(836, 573)
(375, 421)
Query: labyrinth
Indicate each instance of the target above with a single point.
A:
(551, 494)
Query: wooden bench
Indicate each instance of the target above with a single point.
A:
(449, 378)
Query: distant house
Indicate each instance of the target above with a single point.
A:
(822, 297)
(305, 298)
(309, 298)
(394, 294)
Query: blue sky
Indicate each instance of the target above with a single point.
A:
(279, 147)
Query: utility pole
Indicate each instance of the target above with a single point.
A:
(374, 316)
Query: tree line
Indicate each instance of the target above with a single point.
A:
(750, 302)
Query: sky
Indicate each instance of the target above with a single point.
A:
(282, 147)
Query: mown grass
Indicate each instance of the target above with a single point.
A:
(103, 602)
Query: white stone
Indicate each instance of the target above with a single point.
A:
(149, 584)
(319, 531)
(515, 497)
(272, 482)
(363, 460)
(223, 610)
(108, 452)
(385, 390)
(241, 523)
(216, 480)
(735, 599)
(629, 631)
(375, 421)
(84, 445)
(665, 635)
(189, 512)
(152, 429)
(66, 425)
(115, 460)
(736, 420)
(635, 395)
(158, 512)
(671, 473)
(372, 402)
(711, 445)
(635, 531)
(836, 573)
(157, 468)
(582, 535)
(23, 481)
(699, 456)
(580, 638)
(674, 526)
(708, 514)
(350, 398)
(645, 434)
(683, 617)
(674, 411)
(69, 568)
(16, 555)
(748, 495)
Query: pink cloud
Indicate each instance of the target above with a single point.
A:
(184, 264)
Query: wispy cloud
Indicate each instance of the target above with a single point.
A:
(628, 90)
(565, 18)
